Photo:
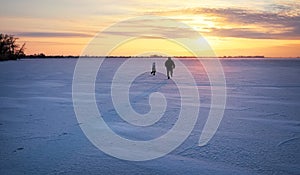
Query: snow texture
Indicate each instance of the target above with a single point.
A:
(259, 133)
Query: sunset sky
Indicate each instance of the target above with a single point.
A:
(231, 27)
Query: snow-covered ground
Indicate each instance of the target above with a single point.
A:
(259, 133)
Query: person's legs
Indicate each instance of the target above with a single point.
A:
(171, 71)
(168, 73)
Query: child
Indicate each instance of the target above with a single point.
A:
(153, 69)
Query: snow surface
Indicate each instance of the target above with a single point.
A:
(259, 133)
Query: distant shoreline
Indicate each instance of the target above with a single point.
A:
(154, 56)
(240, 57)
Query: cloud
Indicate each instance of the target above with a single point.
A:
(250, 33)
(53, 34)
(145, 27)
(165, 32)
(267, 24)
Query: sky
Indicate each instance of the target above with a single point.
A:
(231, 27)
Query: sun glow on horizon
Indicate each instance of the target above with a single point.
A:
(159, 46)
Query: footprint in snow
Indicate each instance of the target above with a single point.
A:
(18, 149)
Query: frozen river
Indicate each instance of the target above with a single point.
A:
(259, 132)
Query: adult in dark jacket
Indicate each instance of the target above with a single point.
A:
(169, 66)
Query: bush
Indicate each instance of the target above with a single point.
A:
(9, 49)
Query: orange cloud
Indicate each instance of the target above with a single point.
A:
(241, 23)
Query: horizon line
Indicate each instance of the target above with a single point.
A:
(150, 56)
